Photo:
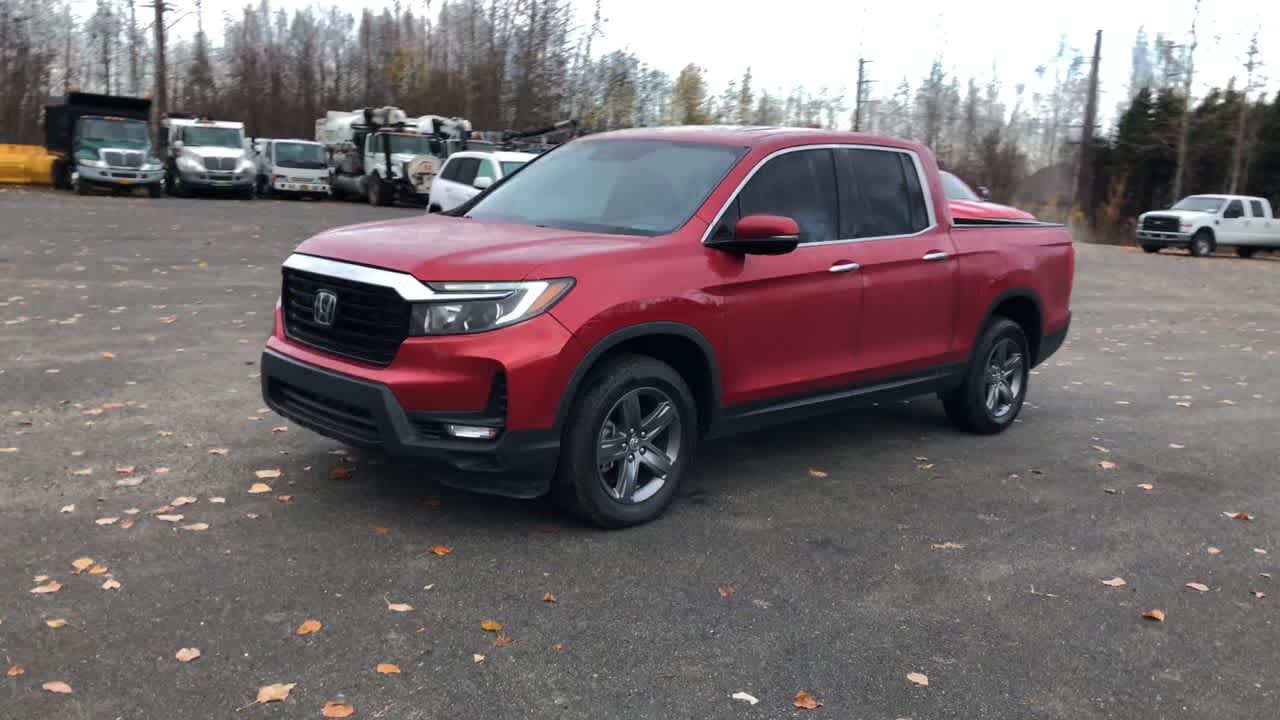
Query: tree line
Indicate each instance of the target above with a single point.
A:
(518, 64)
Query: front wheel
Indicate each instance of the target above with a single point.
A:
(1245, 252)
(1150, 248)
(1202, 243)
(996, 382)
(627, 443)
(156, 189)
(377, 191)
(78, 185)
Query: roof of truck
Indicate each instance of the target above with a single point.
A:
(206, 123)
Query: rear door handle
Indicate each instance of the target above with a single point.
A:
(935, 256)
(843, 267)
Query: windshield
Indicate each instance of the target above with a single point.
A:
(510, 166)
(212, 137)
(127, 132)
(955, 189)
(300, 155)
(1200, 203)
(409, 144)
(634, 187)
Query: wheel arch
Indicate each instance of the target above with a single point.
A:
(1023, 306)
(681, 346)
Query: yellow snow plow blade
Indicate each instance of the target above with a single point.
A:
(26, 165)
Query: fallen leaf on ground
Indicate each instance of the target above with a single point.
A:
(1183, 404)
(218, 499)
(1258, 594)
(379, 530)
(57, 686)
(396, 607)
(277, 692)
(502, 641)
(126, 523)
(1146, 486)
(184, 500)
(82, 564)
(490, 625)
(948, 545)
(129, 482)
(388, 669)
(918, 679)
(194, 526)
(725, 591)
(214, 451)
(337, 709)
(97, 569)
(1115, 582)
(55, 622)
(15, 671)
(557, 646)
(283, 498)
(67, 508)
(477, 658)
(259, 488)
(1110, 491)
(1239, 516)
(1260, 551)
(1212, 550)
(126, 469)
(308, 626)
(1101, 449)
(267, 474)
(1157, 615)
(83, 471)
(817, 473)
(108, 356)
(280, 429)
(745, 697)
(9, 450)
(52, 586)
(111, 584)
(1032, 589)
(187, 654)
(439, 550)
(1106, 465)
(340, 473)
(169, 319)
(805, 701)
(173, 518)
(1199, 587)
(548, 598)
(106, 521)
(1176, 446)
(158, 471)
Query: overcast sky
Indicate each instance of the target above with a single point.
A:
(818, 43)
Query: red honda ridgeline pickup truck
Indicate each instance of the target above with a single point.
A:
(580, 326)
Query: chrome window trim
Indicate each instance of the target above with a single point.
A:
(406, 286)
(915, 160)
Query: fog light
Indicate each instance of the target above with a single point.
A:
(471, 432)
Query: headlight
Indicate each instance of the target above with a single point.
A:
(246, 166)
(92, 163)
(477, 307)
(189, 164)
(150, 167)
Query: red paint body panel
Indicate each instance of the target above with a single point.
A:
(776, 325)
(987, 211)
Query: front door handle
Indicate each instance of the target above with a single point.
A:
(843, 267)
(935, 256)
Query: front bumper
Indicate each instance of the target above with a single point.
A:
(1164, 239)
(367, 414)
(205, 180)
(123, 176)
(300, 186)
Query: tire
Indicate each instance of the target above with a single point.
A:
(1202, 243)
(155, 190)
(1245, 252)
(969, 406)
(260, 187)
(434, 208)
(1150, 248)
(377, 191)
(656, 466)
(79, 186)
(248, 194)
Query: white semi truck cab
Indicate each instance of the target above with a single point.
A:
(203, 155)
(1201, 223)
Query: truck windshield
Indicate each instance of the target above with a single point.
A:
(1199, 203)
(300, 155)
(630, 187)
(212, 137)
(125, 132)
(955, 188)
(409, 144)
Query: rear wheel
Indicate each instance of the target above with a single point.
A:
(627, 443)
(377, 191)
(1150, 248)
(996, 382)
(1202, 243)
(1245, 252)
(155, 190)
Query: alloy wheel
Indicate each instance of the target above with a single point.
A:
(1003, 379)
(638, 445)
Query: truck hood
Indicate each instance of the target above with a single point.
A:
(212, 151)
(1180, 214)
(437, 247)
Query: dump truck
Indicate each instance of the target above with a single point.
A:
(102, 142)
(384, 155)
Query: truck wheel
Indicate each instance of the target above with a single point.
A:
(1202, 243)
(155, 190)
(1245, 252)
(627, 443)
(79, 186)
(377, 191)
(1150, 248)
(996, 382)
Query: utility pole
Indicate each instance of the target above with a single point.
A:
(1185, 131)
(1084, 190)
(857, 103)
(161, 104)
(1237, 153)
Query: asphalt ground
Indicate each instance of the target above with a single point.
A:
(834, 556)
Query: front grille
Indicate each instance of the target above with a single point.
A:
(220, 163)
(1160, 223)
(221, 176)
(369, 321)
(123, 158)
(324, 413)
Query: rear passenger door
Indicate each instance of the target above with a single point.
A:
(909, 264)
(1232, 228)
(1261, 227)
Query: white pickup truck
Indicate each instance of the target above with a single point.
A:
(1201, 223)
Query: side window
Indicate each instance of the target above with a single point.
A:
(467, 168)
(450, 169)
(892, 201)
(487, 170)
(1258, 210)
(1234, 210)
(800, 185)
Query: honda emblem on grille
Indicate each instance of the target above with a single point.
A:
(325, 307)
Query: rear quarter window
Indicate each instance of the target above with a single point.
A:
(890, 198)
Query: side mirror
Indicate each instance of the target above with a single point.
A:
(762, 235)
(482, 183)
(177, 145)
(984, 192)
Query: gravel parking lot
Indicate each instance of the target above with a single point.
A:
(833, 557)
